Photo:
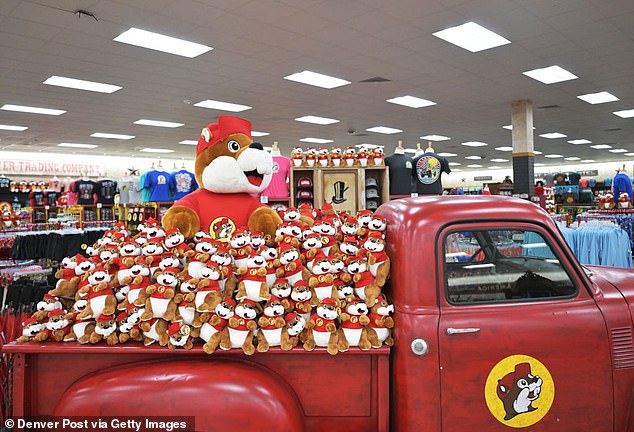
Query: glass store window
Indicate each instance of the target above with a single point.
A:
(484, 266)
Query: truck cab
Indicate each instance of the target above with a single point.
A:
(498, 324)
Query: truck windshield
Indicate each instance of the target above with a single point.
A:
(501, 266)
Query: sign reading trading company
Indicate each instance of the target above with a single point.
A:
(34, 167)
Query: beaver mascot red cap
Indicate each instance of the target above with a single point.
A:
(228, 168)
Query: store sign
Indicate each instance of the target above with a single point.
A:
(482, 178)
(589, 173)
(34, 167)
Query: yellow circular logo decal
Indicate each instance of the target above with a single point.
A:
(519, 391)
(221, 228)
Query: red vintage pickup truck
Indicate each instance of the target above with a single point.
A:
(497, 327)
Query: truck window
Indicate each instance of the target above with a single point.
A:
(484, 266)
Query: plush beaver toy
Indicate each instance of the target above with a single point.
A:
(228, 168)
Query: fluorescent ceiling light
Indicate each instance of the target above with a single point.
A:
(81, 84)
(474, 166)
(474, 144)
(621, 150)
(13, 128)
(629, 154)
(317, 79)
(473, 157)
(411, 101)
(188, 142)
(472, 37)
(553, 156)
(504, 148)
(445, 154)
(572, 158)
(317, 120)
(580, 141)
(222, 106)
(495, 167)
(158, 123)
(435, 138)
(510, 127)
(34, 110)
(369, 146)
(316, 140)
(553, 135)
(625, 113)
(259, 134)
(159, 42)
(112, 136)
(384, 130)
(537, 152)
(550, 75)
(78, 145)
(597, 98)
(601, 146)
(156, 150)
(454, 163)
(456, 170)
(499, 160)
(539, 164)
(587, 160)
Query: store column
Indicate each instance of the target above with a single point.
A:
(523, 156)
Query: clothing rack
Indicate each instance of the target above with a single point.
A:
(624, 218)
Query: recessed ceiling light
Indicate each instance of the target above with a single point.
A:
(222, 106)
(550, 75)
(159, 42)
(156, 150)
(259, 134)
(504, 148)
(384, 130)
(625, 113)
(456, 170)
(621, 150)
(499, 160)
(472, 37)
(538, 164)
(188, 142)
(629, 154)
(411, 101)
(553, 135)
(454, 163)
(537, 152)
(474, 144)
(445, 154)
(495, 167)
(112, 136)
(435, 138)
(317, 120)
(369, 146)
(34, 110)
(13, 128)
(474, 166)
(81, 84)
(601, 146)
(572, 158)
(510, 127)
(473, 157)
(597, 98)
(158, 123)
(580, 141)
(587, 160)
(316, 140)
(317, 79)
(553, 156)
(78, 145)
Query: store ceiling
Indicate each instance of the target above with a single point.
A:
(256, 43)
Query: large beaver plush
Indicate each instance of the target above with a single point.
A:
(228, 168)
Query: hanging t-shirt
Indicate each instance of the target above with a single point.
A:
(55, 184)
(85, 190)
(400, 173)
(37, 198)
(71, 196)
(5, 183)
(158, 184)
(182, 183)
(549, 179)
(106, 190)
(427, 173)
(574, 178)
(145, 191)
(278, 188)
(51, 198)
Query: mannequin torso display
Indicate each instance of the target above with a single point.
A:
(400, 166)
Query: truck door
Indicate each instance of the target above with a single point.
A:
(522, 342)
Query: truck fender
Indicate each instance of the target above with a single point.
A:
(222, 395)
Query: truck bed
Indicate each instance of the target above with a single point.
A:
(343, 392)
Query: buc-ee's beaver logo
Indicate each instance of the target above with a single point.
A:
(519, 391)
(221, 228)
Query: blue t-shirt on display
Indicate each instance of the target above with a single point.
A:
(182, 183)
(158, 183)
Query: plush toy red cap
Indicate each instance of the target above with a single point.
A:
(379, 217)
(231, 302)
(301, 282)
(172, 231)
(227, 125)
(55, 312)
(281, 280)
(122, 316)
(350, 239)
(364, 213)
(172, 270)
(174, 328)
(286, 245)
(50, 297)
(104, 318)
(129, 307)
(240, 230)
(328, 301)
(256, 233)
(290, 317)
(248, 302)
(379, 299)
(28, 321)
(327, 207)
(375, 234)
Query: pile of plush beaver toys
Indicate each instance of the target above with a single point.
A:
(317, 283)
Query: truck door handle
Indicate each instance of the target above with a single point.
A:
(452, 331)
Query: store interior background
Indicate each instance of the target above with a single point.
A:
(257, 43)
